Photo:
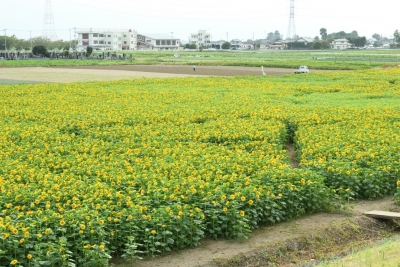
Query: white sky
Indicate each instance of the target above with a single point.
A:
(240, 19)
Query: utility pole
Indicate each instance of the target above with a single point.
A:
(76, 39)
(5, 39)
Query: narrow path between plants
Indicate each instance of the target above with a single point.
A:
(292, 154)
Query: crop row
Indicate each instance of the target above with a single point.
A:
(93, 170)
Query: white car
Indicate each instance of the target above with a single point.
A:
(302, 69)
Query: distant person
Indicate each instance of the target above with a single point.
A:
(194, 68)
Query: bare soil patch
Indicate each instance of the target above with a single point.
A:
(188, 70)
(291, 152)
(118, 72)
(64, 75)
(210, 252)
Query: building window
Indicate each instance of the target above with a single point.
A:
(95, 34)
(124, 42)
(101, 35)
(119, 38)
(109, 42)
(173, 42)
(157, 42)
(168, 42)
(109, 35)
(131, 35)
(124, 35)
(101, 42)
(162, 42)
(131, 42)
(95, 42)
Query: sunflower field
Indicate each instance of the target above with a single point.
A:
(132, 168)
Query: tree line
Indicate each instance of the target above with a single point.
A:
(13, 42)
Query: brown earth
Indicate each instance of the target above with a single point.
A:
(117, 72)
(188, 70)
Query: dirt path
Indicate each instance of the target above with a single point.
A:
(117, 72)
(204, 254)
(64, 75)
(188, 70)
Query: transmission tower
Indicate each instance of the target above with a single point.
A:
(49, 31)
(292, 28)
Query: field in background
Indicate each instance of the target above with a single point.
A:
(325, 60)
(150, 165)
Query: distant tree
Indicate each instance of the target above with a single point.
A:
(270, 36)
(277, 35)
(354, 34)
(358, 41)
(226, 45)
(376, 36)
(323, 33)
(89, 51)
(10, 40)
(192, 46)
(316, 38)
(316, 45)
(40, 50)
(187, 46)
(396, 35)
(342, 34)
(325, 44)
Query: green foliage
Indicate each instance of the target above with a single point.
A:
(40, 50)
(89, 51)
(396, 35)
(323, 33)
(358, 41)
(192, 46)
(226, 45)
(94, 169)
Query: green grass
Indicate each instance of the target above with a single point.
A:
(324, 59)
(385, 253)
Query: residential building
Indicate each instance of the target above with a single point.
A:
(106, 39)
(157, 42)
(305, 40)
(340, 44)
(201, 38)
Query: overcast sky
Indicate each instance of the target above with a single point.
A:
(239, 19)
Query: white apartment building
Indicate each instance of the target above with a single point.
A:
(340, 44)
(106, 39)
(157, 42)
(201, 38)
